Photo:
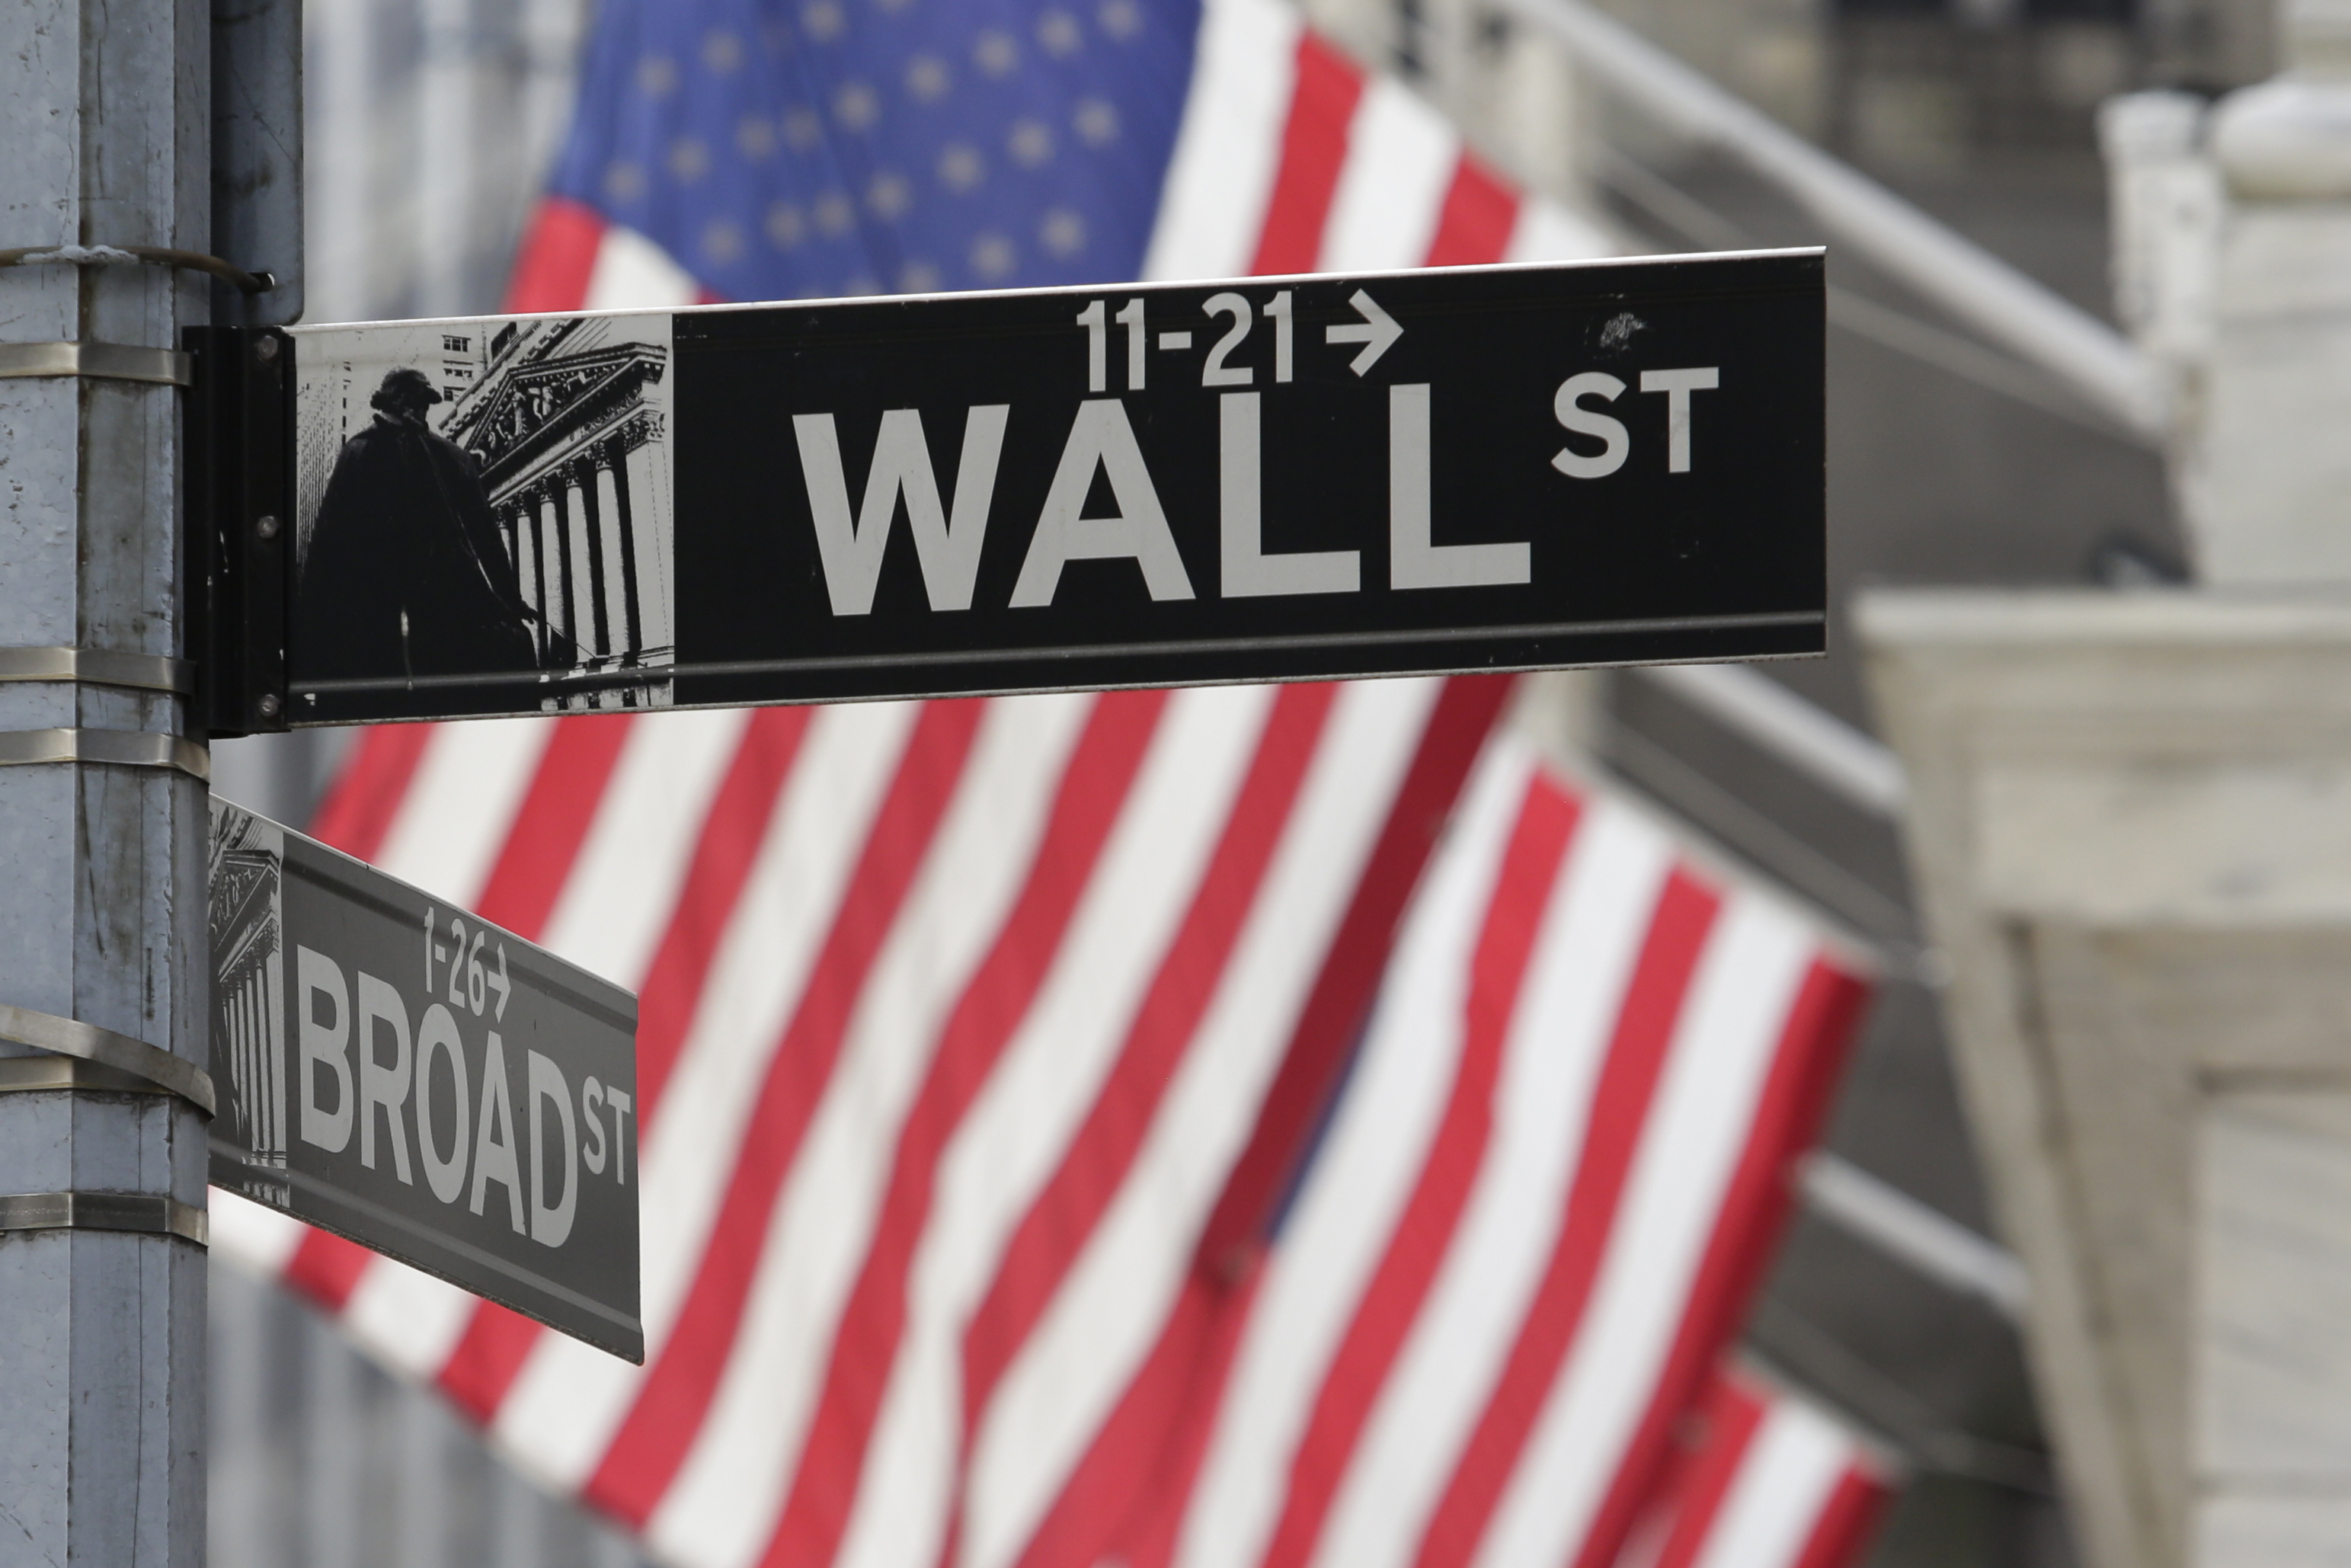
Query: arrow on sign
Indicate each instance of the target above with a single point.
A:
(1377, 332)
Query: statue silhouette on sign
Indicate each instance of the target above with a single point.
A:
(407, 574)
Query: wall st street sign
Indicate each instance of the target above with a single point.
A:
(426, 1084)
(1481, 468)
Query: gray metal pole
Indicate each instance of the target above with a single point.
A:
(103, 135)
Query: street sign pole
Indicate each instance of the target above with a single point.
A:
(104, 971)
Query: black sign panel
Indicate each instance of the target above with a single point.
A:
(426, 1084)
(1481, 468)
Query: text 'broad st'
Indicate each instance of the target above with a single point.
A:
(421, 1082)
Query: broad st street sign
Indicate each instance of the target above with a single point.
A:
(428, 1086)
(1478, 468)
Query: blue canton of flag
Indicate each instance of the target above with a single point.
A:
(866, 146)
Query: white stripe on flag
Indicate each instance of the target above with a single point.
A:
(622, 891)
(407, 1318)
(1088, 1344)
(461, 805)
(1401, 156)
(568, 1399)
(1219, 183)
(1363, 1176)
(1545, 231)
(632, 273)
(722, 1503)
(1793, 1465)
(1722, 1053)
(1010, 1141)
(1577, 974)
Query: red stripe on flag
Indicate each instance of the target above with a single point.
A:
(723, 853)
(552, 822)
(1804, 1066)
(1096, 1162)
(1314, 148)
(1342, 991)
(327, 1268)
(557, 257)
(671, 1403)
(367, 795)
(1474, 226)
(1847, 1521)
(1696, 1495)
(1125, 1501)
(1392, 1301)
(1092, 792)
(1619, 1113)
(489, 1356)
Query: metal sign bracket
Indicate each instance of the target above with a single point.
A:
(240, 498)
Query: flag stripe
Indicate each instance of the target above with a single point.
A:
(1384, 1313)
(1073, 1369)
(651, 1442)
(1050, 1072)
(1590, 943)
(1095, 1162)
(359, 809)
(1479, 216)
(723, 1506)
(1220, 179)
(1731, 1420)
(557, 258)
(1399, 163)
(824, 1481)
(1677, 931)
(551, 823)
(1313, 152)
(1786, 1112)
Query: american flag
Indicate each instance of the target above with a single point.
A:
(1767, 1481)
(1243, 1126)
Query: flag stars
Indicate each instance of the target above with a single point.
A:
(857, 106)
(1030, 143)
(834, 214)
(689, 160)
(722, 242)
(1058, 32)
(927, 78)
(623, 182)
(996, 53)
(722, 52)
(1120, 18)
(786, 227)
(992, 256)
(823, 20)
(755, 136)
(657, 75)
(802, 130)
(889, 196)
(918, 277)
(1095, 121)
(1063, 232)
(961, 166)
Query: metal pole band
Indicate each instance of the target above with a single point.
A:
(105, 362)
(71, 1037)
(98, 667)
(147, 1213)
(123, 747)
(152, 254)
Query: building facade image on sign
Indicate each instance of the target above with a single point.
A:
(488, 497)
(1476, 468)
(429, 1085)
